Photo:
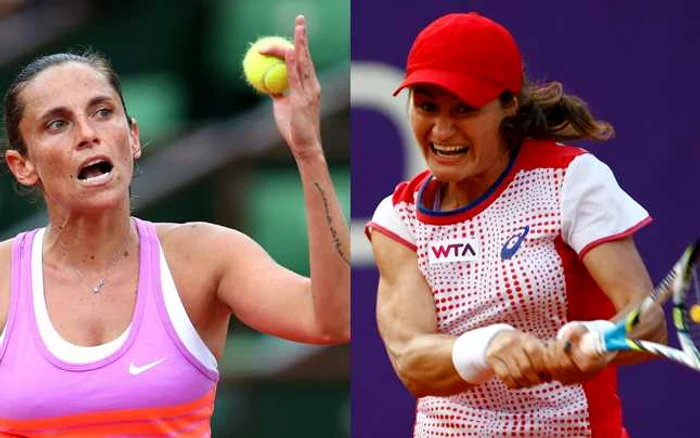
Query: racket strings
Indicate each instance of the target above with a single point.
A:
(666, 287)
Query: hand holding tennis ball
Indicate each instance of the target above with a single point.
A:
(267, 73)
(298, 111)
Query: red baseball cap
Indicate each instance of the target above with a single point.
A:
(474, 58)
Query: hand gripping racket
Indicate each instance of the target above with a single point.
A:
(682, 285)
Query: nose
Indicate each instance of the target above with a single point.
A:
(443, 127)
(86, 133)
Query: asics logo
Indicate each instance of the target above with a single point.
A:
(513, 243)
(135, 370)
(456, 250)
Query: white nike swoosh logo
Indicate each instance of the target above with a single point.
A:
(136, 370)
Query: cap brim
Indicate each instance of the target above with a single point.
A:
(468, 89)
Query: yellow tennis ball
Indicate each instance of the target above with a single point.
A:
(695, 313)
(267, 74)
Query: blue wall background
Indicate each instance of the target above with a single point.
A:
(637, 64)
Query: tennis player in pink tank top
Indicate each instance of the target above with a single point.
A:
(112, 326)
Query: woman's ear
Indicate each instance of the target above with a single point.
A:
(511, 108)
(22, 168)
(134, 140)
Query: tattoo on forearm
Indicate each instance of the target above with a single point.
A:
(334, 233)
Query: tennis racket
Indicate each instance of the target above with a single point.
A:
(682, 285)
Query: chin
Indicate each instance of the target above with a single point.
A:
(450, 175)
(104, 201)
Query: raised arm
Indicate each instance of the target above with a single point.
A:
(298, 118)
(225, 271)
(263, 294)
(277, 301)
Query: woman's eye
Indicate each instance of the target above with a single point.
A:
(427, 106)
(56, 124)
(465, 109)
(103, 112)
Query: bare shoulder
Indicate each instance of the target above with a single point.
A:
(204, 244)
(5, 264)
(5, 253)
(392, 257)
(5, 273)
(200, 236)
(200, 256)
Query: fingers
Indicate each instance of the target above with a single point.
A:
(568, 363)
(305, 52)
(567, 329)
(532, 361)
(292, 74)
(301, 74)
(278, 51)
(299, 42)
(519, 360)
(504, 372)
(304, 64)
(560, 365)
(584, 362)
(566, 370)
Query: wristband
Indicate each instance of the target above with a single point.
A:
(469, 353)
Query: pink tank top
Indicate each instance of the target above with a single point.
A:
(158, 382)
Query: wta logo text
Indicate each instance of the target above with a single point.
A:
(456, 250)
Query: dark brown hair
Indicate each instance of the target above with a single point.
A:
(545, 112)
(14, 106)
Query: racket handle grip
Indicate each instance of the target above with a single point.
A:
(592, 343)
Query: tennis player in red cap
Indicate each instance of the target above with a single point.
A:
(495, 260)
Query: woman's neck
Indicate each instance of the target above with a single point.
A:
(461, 193)
(89, 240)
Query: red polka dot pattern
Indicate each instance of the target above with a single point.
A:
(527, 291)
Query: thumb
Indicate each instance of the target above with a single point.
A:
(274, 50)
(573, 336)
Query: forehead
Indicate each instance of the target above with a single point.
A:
(64, 85)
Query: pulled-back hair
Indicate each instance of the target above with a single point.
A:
(545, 112)
(14, 106)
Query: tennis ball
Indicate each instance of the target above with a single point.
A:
(267, 74)
(695, 313)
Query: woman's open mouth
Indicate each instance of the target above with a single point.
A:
(95, 171)
(447, 150)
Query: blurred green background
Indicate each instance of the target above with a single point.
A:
(213, 154)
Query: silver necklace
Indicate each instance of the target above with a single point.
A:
(101, 281)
